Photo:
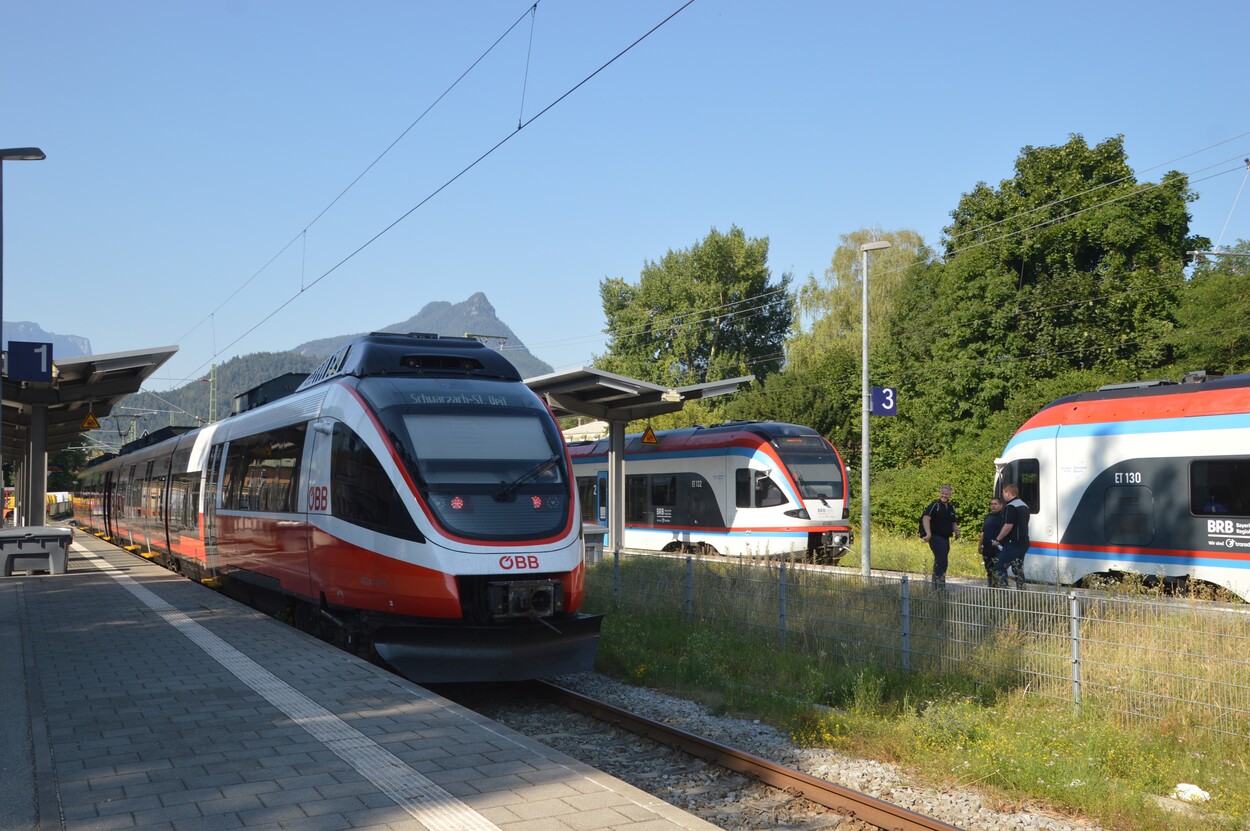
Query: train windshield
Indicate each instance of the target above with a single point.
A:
(813, 464)
(487, 458)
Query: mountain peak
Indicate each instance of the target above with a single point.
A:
(475, 316)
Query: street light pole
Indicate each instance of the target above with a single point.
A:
(11, 154)
(864, 542)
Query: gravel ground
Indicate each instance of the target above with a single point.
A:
(731, 800)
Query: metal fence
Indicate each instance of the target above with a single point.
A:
(1140, 658)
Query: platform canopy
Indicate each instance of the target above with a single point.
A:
(619, 400)
(90, 384)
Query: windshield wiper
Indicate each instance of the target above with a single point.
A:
(508, 490)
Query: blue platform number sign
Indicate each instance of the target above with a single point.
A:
(884, 401)
(29, 361)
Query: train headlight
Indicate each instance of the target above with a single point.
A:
(798, 513)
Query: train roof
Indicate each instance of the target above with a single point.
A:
(685, 437)
(1148, 400)
(388, 353)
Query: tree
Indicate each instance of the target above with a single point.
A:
(823, 394)
(1214, 306)
(703, 314)
(833, 307)
(1070, 265)
(63, 469)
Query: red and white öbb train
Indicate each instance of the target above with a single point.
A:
(412, 496)
(761, 488)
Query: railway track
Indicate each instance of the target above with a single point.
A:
(836, 798)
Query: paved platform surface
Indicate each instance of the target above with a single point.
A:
(137, 699)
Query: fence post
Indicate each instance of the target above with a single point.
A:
(689, 589)
(781, 597)
(905, 591)
(1074, 613)
(616, 574)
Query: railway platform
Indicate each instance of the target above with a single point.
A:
(136, 699)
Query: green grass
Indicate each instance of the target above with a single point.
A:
(909, 553)
(981, 724)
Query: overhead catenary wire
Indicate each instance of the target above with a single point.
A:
(283, 305)
(531, 11)
(1236, 199)
(1052, 221)
(304, 232)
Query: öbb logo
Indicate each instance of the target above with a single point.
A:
(520, 561)
(1219, 526)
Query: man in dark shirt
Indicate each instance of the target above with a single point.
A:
(1013, 539)
(990, 526)
(940, 525)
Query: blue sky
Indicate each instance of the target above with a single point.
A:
(192, 148)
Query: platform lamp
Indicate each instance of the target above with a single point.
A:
(8, 154)
(865, 547)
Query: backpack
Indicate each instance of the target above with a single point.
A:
(921, 522)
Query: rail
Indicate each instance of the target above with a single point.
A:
(835, 797)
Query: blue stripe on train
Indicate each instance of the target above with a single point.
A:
(1141, 558)
(1128, 428)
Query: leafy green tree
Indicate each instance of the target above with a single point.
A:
(703, 314)
(63, 469)
(1070, 265)
(823, 394)
(1211, 331)
(830, 310)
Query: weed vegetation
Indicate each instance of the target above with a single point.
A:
(986, 721)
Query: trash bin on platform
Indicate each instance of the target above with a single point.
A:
(595, 535)
(35, 548)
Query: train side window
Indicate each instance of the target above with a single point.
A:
(742, 487)
(262, 471)
(362, 493)
(1025, 474)
(767, 494)
(1128, 515)
(1219, 486)
(635, 498)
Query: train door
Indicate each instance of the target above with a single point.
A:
(212, 486)
(1038, 479)
(316, 503)
(601, 496)
(106, 505)
(592, 495)
(148, 508)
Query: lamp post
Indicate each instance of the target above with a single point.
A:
(865, 547)
(9, 154)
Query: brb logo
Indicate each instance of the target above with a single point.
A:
(1219, 526)
(520, 562)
